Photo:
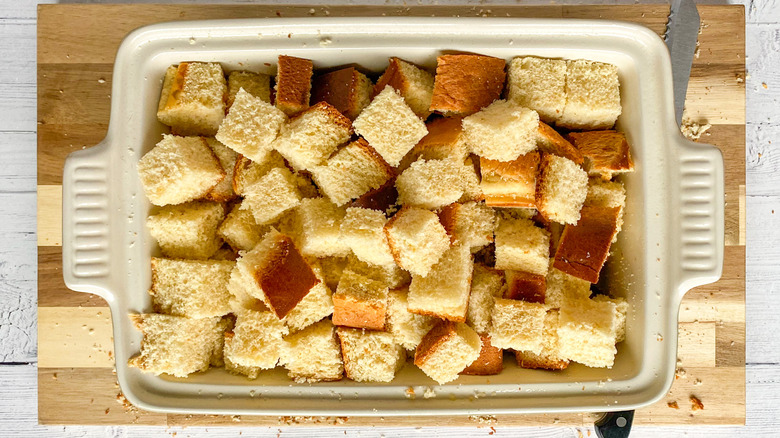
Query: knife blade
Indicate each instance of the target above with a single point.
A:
(682, 30)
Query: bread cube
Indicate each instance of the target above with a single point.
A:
(390, 275)
(563, 288)
(588, 332)
(245, 294)
(234, 368)
(466, 83)
(380, 199)
(430, 184)
(187, 230)
(223, 191)
(257, 340)
(192, 288)
(518, 325)
(486, 285)
(272, 195)
(525, 286)
(607, 194)
(362, 231)
(489, 362)
(293, 84)
(315, 305)
(584, 247)
(176, 345)
(502, 131)
(522, 246)
(348, 90)
(248, 172)
(444, 140)
(592, 96)
(179, 170)
(309, 138)
(370, 356)
(390, 126)
(351, 172)
(561, 189)
(510, 183)
(551, 142)
(360, 302)
(320, 221)
(470, 224)
(313, 354)
(470, 179)
(444, 291)
(332, 268)
(417, 239)
(250, 126)
(550, 357)
(606, 152)
(446, 350)
(192, 101)
(240, 230)
(406, 327)
(411, 82)
(256, 84)
(538, 84)
(621, 314)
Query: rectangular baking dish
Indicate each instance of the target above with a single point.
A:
(672, 239)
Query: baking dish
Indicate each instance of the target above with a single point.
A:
(672, 239)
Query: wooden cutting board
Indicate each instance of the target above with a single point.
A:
(76, 48)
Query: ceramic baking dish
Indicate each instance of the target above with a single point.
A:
(672, 239)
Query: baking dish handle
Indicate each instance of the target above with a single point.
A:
(86, 237)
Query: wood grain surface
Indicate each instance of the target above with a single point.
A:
(76, 48)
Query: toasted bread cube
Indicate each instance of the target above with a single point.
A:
(430, 184)
(518, 325)
(466, 83)
(621, 311)
(257, 340)
(223, 192)
(192, 101)
(351, 172)
(256, 84)
(332, 268)
(192, 288)
(313, 354)
(525, 286)
(362, 231)
(272, 195)
(417, 239)
(538, 84)
(370, 356)
(551, 142)
(390, 275)
(550, 357)
(179, 170)
(176, 345)
(472, 191)
(443, 141)
(360, 302)
(606, 152)
(584, 247)
(444, 292)
(187, 230)
(245, 294)
(510, 183)
(486, 285)
(380, 199)
(446, 350)
(390, 126)
(320, 222)
(471, 224)
(521, 246)
(607, 194)
(293, 84)
(348, 90)
(240, 230)
(309, 138)
(592, 96)
(588, 332)
(411, 82)
(489, 362)
(248, 172)
(561, 189)
(234, 368)
(502, 131)
(563, 288)
(316, 305)
(406, 327)
(250, 126)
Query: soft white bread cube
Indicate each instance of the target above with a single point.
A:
(592, 96)
(522, 246)
(370, 356)
(561, 189)
(177, 345)
(178, 170)
(192, 101)
(411, 82)
(417, 239)
(471, 224)
(446, 350)
(563, 288)
(518, 325)
(320, 227)
(223, 192)
(430, 183)
(406, 327)
(486, 285)
(257, 340)
(316, 305)
(250, 126)
(272, 195)
(502, 131)
(360, 302)
(240, 230)
(187, 230)
(248, 172)
(245, 294)
(192, 288)
(538, 84)
(313, 354)
(390, 275)
(607, 194)
(549, 357)
(390, 126)
(362, 231)
(621, 309)
(352, 171)
(256, 84)
(444, 291)
(309, 138)
(234, 368)
(588, 332)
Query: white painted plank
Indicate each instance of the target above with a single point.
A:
(18, 163)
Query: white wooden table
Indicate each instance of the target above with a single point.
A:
(18, 261)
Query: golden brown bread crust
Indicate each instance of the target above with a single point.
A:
(584, 247)
(553, 143)
(293, 84)
(465, 84)
(350, 312)
(489, 362)
(338, 88)
(605, 152)
(534, 361)
(177, 85)
(443, 137)
(439, 334)
(393, 76)
(242, 163)
(525, 286)
(510, 183)
(448, 215)
(332, 113)
(544, 164)
(380, 198)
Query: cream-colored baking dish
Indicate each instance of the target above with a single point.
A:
(672, 239)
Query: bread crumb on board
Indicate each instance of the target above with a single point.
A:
(694, 130)
(673, 405)
(696, 404)
(483, 419)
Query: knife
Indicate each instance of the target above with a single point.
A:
(682, 30)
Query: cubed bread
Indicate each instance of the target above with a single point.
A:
(486, 285)
(176, 345)
(584, 247)
(512, 183)
(550, 357)
(256, 84)
(502, 131)
(561, 189)
(332, 268)
(518, 325)
(390, 275)
(192, 101)
(444, 291)
(370, 356)
(538, 84)
(621, 314)
(250, 126)
(446, 350)
(234, 368)
(563, 288)
(293, 84)
(320, 223)
(245, 294)
(444, 140)
(390, 126)
(411, 82)
(592, 96)
(588, 332)
(362, 231)
(179, 170)
(315, 305)
(525, 286)
(406, 327)
(417, 239)
(470, 180)
(313, 354)
(606, 152)
(240, 230)
(430, 183)
(187, 230)
(351, 172)
(607, 194)
(348, 90)
(489, 362)
(466, 83)
(223, 192)
(380, 199)
(248, 172)
(522, 246)
(191, 288)
(551, 142)
(257, 340)
(471, 224)
(360, 302)
(272, 195)
(309, 138)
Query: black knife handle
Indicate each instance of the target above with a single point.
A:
(614, 424)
